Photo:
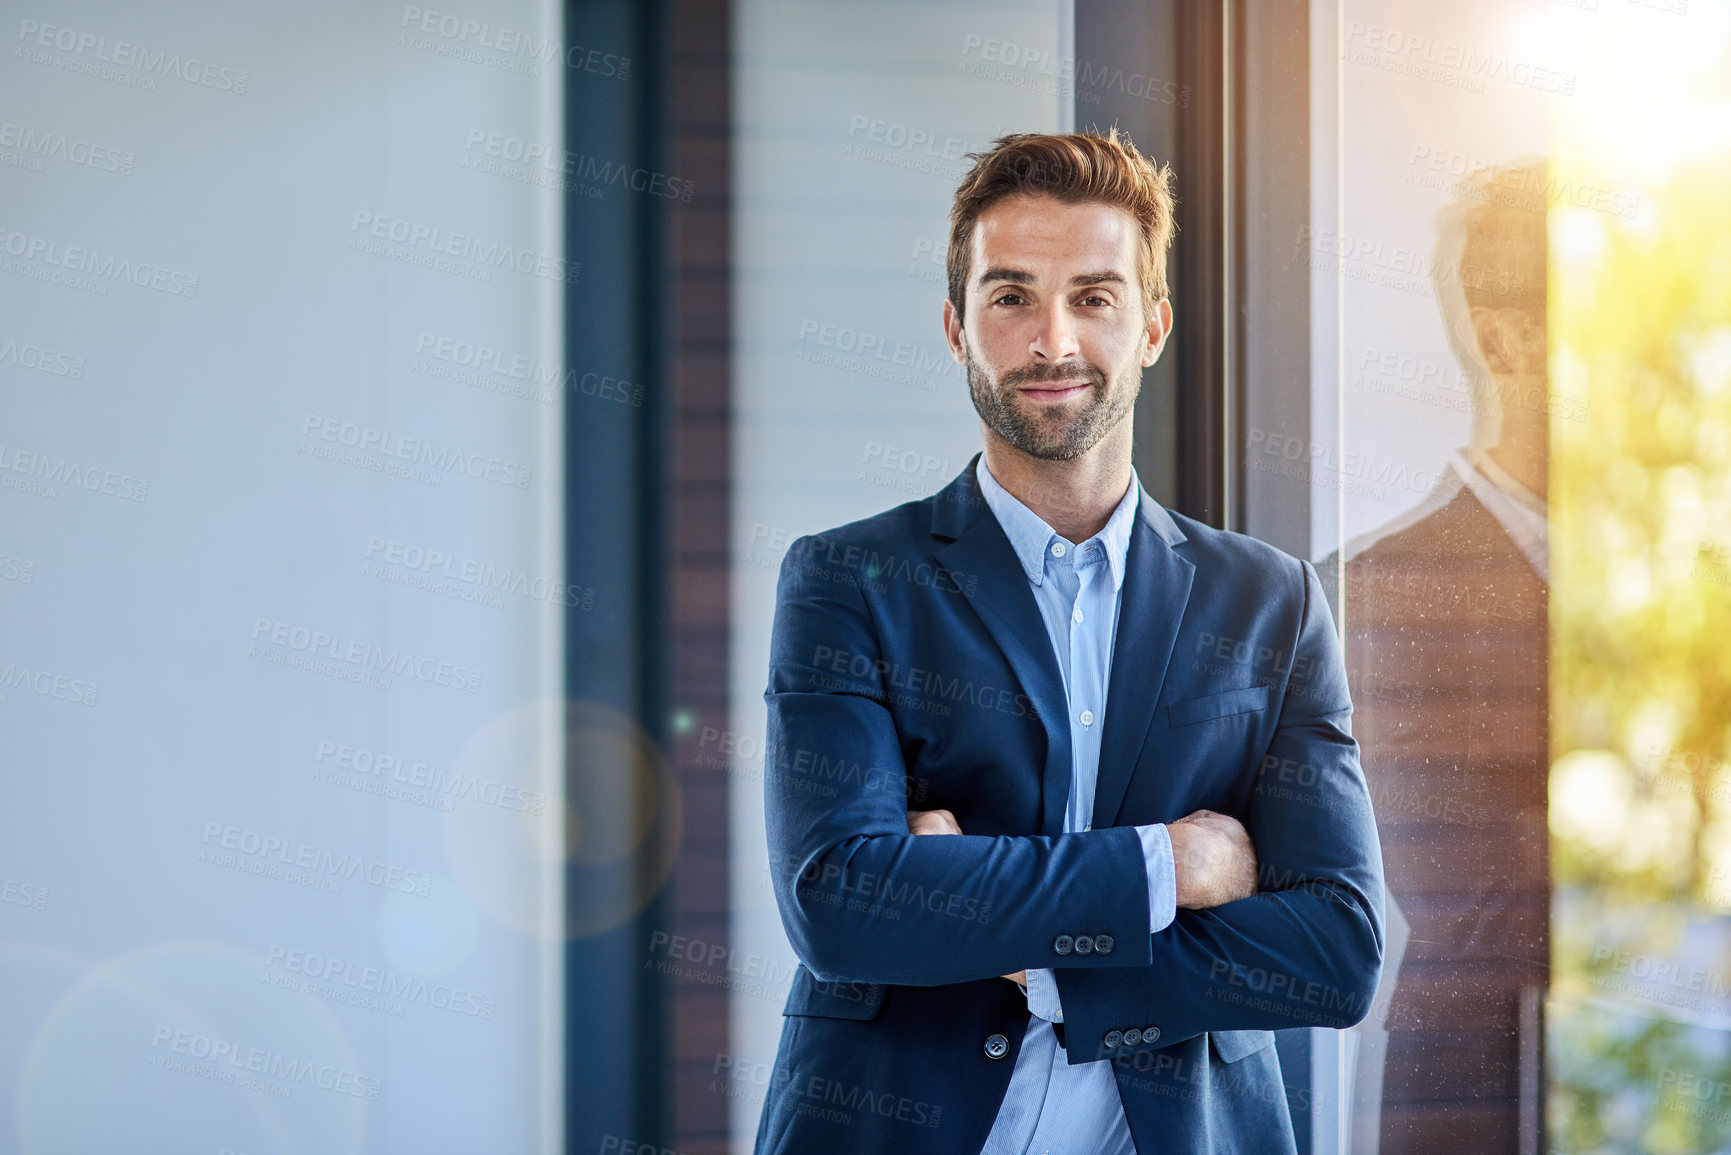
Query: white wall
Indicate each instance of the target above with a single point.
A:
(197, 533)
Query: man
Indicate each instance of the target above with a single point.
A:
(1064, 812)
(1447, 643)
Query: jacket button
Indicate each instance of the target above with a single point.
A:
(997, 1047)
(1063, 944)
(1103, 944)
(1112, 1039)
(1150, 1034)
(1084, 944)
(1132, 1037)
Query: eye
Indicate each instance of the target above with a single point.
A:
(1011, 297)
(1097, 298)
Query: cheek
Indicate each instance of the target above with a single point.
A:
(1118, 349)
(997, 346)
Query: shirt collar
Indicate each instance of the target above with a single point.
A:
(1031, 536)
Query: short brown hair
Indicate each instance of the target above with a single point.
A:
(1505, 249)
(1073, 167)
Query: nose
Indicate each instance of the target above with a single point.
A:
(1054, 337)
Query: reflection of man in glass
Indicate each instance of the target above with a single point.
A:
(1446, 642)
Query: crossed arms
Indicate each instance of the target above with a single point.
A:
(1213, 861)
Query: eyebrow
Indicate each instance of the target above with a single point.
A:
(1022, 277)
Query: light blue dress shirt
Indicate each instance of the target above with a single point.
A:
(1051, 1107)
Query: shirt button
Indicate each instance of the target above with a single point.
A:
(1087, 717)
(1076, 614)
(1057, 549)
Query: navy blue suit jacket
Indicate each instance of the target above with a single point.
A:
(910, 669)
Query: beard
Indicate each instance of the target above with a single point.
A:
(1054, 434)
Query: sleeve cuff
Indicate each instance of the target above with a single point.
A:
(1162, 877)
(1043, 996)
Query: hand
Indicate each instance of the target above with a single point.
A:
(943, 822)
(1213, 860)
(932, 822)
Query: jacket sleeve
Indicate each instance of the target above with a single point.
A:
(1307, 949)
(863, 900)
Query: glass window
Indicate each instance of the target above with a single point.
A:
(1517, 461)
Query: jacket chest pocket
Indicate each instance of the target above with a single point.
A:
(1226, 704)
(1216, 743)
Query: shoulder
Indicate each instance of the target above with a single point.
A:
(1237, 558)
(901, 527)
(858, 552)
(1421, 566)
(1245, 588)
(1463, 518)
(1460, 543)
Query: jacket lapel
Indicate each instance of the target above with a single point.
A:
(987, 571)
(1156, 590)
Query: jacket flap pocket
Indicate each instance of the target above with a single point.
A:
(1244, 701)
(1232, 1046)
(837, 1000)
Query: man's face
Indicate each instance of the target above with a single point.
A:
(1054, 339)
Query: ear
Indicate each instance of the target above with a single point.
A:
(953, 333)
(1159, 328)
(1500, 336)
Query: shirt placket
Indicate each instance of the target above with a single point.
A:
(1086, 708)
(1061, 572)
(1075, 572)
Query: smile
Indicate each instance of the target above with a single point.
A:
(1052, 391)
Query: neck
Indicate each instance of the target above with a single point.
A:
(1076, 498)
(1525, 467)
(1523, 449)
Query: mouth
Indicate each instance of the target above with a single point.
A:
(1049, 392)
